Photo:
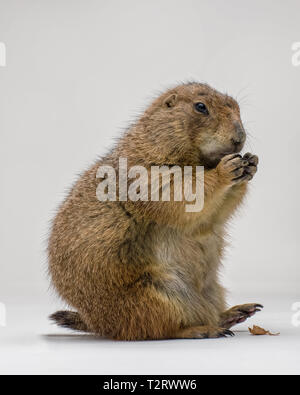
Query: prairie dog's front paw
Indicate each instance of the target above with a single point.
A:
(251, 168)
(234, 169)
(231, 168)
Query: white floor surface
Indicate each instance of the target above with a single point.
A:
(29, 344)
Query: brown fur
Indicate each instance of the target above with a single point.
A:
(149, 270)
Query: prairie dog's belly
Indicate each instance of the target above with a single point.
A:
(187, 265)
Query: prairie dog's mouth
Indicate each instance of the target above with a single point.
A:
(212, 161)
(235, 150)
(212, 153)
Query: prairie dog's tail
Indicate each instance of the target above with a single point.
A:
(70, 320)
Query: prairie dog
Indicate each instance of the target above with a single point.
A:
(149, 269)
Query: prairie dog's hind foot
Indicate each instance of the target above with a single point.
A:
(238, 314)
(203, 332)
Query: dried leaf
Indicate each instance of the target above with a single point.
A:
(258, 331)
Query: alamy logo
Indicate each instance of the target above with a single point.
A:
(152, 185)
(2, 314)
(296, 54)
(296, 316)
(2, 55)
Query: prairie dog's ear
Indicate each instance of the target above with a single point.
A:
(170, 101)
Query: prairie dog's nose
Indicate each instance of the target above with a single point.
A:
(240, 135)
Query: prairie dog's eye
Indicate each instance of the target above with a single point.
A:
(200, 107)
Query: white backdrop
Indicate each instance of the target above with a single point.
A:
(77, 73)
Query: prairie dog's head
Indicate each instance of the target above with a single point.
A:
(197, 121)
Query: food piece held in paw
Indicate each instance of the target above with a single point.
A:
(258, 331)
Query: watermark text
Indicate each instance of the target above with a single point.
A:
(296, 316)
(159, 183)
(2, 55)
(2, 314)
(296, 54)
